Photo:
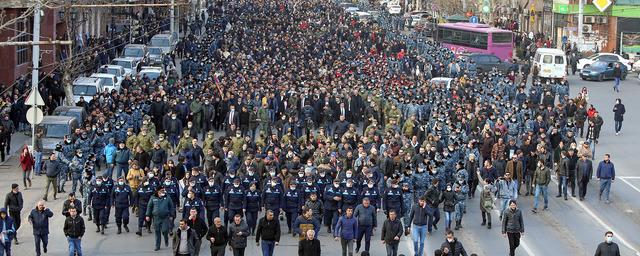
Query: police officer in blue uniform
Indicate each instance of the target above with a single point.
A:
(349, 197)
(212, 196)
(234, 200)
(308, 187)
(253, 199)
(192, 202)
(370, 191)
(393, 197)
(332, 197)
(144, 195)
(272, 196)
(99, 198)
(122, 200)
(292, 203)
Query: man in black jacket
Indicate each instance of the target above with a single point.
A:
(54, 167)
(74, 230)
(197, 224)
(14, 203)
(309, 246)
(218, 237)
(71, 202)
(269, 229)
(608, 247)
(391, 233)
(452, 247)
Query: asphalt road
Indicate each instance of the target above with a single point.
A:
(568, 228)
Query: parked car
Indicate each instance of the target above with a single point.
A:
(363, 17)
(55, 129)
(137, 51)
(486, 62)
(349, 7)
(109, 81)
(79, 113)
(115, 70)
(86, 87)
(151, 72)
(411, 19)
(165, 41)
(551, 63)
(131, 65)
(608, 57)
(602, 70)
(394, 8)
(156, 55)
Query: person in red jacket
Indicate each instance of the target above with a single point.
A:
(26, 162)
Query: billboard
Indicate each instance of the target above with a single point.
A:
(630, 42)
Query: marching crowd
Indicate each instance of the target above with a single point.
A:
(299, 112)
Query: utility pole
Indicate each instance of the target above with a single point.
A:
(580, 21)
(35, 58)
(172, 14)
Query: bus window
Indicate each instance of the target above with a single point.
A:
(559, 60)
(547, 59)
(501, 38)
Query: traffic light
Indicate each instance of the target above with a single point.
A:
(486, 6)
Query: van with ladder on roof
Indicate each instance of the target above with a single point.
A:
(551, 63)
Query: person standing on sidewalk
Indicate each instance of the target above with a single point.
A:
(606, 174)
(365, 213)
(346, 229)
(54, 167)
(7, 231)
(269, 231)
(617, 75)
(512, 226)
(13, 203)
(39, 219)
(608, 247)
(74, 229)
(618, 115)
(391, 233)
(26, 162)
(541, 179)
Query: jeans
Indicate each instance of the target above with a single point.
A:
(447, 219)
(38, 162)
(41, 239)
(347, 246)
(544, 190)
(268, 247)
(74, 246)
(504, 202)
(392, 249)
(418, 235)
(365, 231)
(120, 169)
(618, 126)
(616, 86)
(108, 172)
(161, 226)
(562, 185)
(605, 187)
(434, 217)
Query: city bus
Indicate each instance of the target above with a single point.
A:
(463, 37)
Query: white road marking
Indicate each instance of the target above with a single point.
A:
(629, 177)
(629, 183)
(602, 223)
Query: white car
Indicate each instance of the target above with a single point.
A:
(349, 7)
(151, 72)
(115, 70)
(603, 57)
(394, 9)
(130, 65)
(109, 81)
(416, 17)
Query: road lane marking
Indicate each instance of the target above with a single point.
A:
(602, 223)
(629, 183)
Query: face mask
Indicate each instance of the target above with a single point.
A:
(174, 117)
(236, 185)
(309, 183)
(301, 175)
(167, 183)
(150, 175)
(273, 184)
(98, 183)
(349, 185)
(120, 183)
(609, 240)
(272, 173)
(146, 183)
(232, 175)
(349, 175)
(211, 184)
(435, 172)
(161, 194)
(394, 186)
(539, 165)
(450, 240)
(336, 185)
(190, 125)
(292, 187)
(79, 155)
(370, 185)
(448, 189)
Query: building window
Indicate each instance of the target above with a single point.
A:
(23, 34)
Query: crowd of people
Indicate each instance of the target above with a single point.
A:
(301, 112)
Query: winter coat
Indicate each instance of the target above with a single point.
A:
(237, 239)
(301, 225)
(346, 228)
(607, 249)
(542, 176)
(391, 229)
(191, 240)
(220, 234)
(309, 247)
(40, 221)
(26, 162)
(512, 221)
(74, 227)
(269, 230)
(448, 198)
(14, 202)
(455, 248)
(618, 112)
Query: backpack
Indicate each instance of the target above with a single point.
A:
(487, 202)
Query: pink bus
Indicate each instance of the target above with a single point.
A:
(477, 38)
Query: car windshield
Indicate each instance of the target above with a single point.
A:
(600, 64)
(156, 51)
(151, 74)
(133, 52)
(106, 81)
(55, 130)
(111, 71)
(124, 64)
(160, 42)
(84, 90)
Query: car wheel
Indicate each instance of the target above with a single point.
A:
(600, 77)
(583, 78)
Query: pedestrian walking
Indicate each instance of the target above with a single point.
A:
(238, 233)
(71, 202)
(391, 233)
(74, 229)
(122, 199)
(618, 115)
(486, 202)
(26, 162)
(269, 231)
(39, 219)
(541, 179)
(99, 199)
(310, 246)
(507, 191)
(13, 203)
(584, 174)
(199, 226)
(184, 240)
(53, 167)
(218, 237)
(617, 75)
(512, 226)
(606, 174)
(305, 222)
(7, 232)
(161, 209)
(608, 247)
(365, 214)
(452, 247)
(418, 220)
(346, 230)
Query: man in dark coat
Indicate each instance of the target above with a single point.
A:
(452, 247)
(14, 203)
(608, 247)
(309, 246)
(39, 219)
(618, 115)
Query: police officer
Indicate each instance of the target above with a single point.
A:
(370, 191)
(349, 197)
(393, 197)
(99, 199)
(77, 166)
(144, 195)
(308, 187)
(122, 200)
(212, 196)
(235, 200)
(192, 202)
(272, 196)
(332, 197)
(253, 199)
(292, 203)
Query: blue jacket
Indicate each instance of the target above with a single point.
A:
(234, 198)
(346, 228)
(122, 196)
(330, 192)
(99, 197)
(6, 224)
(606, 170)
(253, 201)
(110, 153)
(272, 197)
(292, 201)
(212, 197)
(40, 221)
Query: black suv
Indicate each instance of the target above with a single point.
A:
(486, 62)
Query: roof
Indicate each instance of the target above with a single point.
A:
(472, 27)
(85, 80)
(550, 50)
(125, 59)
(16, 3)
(103, 75)
(56, 119)
(68, 109)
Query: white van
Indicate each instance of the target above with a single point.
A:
(109, 81)
(551, 63)
(86, 87)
